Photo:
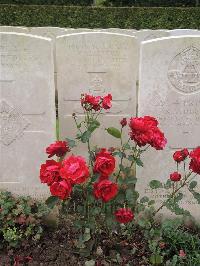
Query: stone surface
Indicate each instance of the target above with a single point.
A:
(178, 32)
(170, 91)
(13, 29)
(96, 63)
(27, 111)
(145, 35)
(52, 33)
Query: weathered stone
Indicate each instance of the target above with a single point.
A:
(96, 63)
(27, 111)
(170, 91)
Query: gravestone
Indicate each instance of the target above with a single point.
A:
(13, 29)
(170, 91)
(178, 32)
(145, 35)
(98, 64)
(52, 33)
(120, 31)
(27, 111)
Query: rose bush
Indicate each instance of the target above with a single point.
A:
(102, 188)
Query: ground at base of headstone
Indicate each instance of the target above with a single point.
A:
(58, 247)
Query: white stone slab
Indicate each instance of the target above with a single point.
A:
(170, 91)
(179, 32)
(120, 31)
(13, 29)
(27, 111)
(96, 63)
(145, 35)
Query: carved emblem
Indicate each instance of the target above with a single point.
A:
(184, 71)
(97, 82)
(12, 123)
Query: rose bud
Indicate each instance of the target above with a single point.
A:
(175, 177)
(123, 122)
(180, 156)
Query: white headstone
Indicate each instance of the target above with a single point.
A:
(52, 33)
(179, 32)
(13, 29)
(27, 111)
(145, 35)
(98, 64)
(120, 31)
(170, 91)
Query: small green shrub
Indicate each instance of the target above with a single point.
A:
(20, 219)
(100, 17)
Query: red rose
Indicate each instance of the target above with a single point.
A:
(123, 122)
(158, 140)
(180, 156)
(104, 163)
(106, 103)
(195, 162)
(182, 254)
(105, 190)
(49, 172)
(90, 102)
(175, 177)
(59, 148)
(61, 189)
(144, 131)
(74, 168)
(124, 215)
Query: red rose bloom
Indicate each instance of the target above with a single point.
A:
(105, 190)
(106, 103)
(158, 140)
(59, 148)
(175, 177)
(90, 102)
(195, 162)
(123, 122)
(180, 156)
(49, 172)
(104, 163)
(124, 215)
(61, 189)
(74, 169)
(144, 131)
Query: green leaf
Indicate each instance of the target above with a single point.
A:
(127, 146)
(86, 235)
(114, 132)
(168, 184)
(93, 125)
(131, 158)
(193, 184)
(131, 195)
(90, 263)
(139, 162)
(156, 259)
(144, 199)
(154, 184)
(131, 180)
(196, 195)
(51, 201)
(151, 202)
(71, 142)
(120, 154)
(85, 136)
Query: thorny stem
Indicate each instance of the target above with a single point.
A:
(173, 194)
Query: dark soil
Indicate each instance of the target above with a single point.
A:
(58, 247)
